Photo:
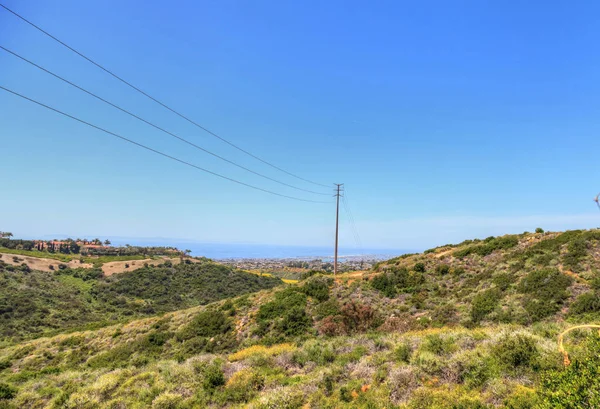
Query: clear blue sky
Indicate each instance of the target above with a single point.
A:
(445, 120)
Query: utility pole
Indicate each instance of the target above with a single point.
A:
(337, 220)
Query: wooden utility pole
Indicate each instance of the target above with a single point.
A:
(337, 220)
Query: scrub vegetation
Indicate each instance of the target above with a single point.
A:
(465, 326)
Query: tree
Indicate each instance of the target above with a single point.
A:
(107, 242)
(539, 230)
(5, 235)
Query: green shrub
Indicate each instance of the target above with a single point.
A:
(206, 324)
(384, 284)
(586, 303)
(213, 376)
(539, 230)
(477, 370)
(484, 303)
(515, 351)
(503, 281)
(545, 291)
(285, 299)
(444, 314)
(294, 322)
(419, 267)
(284, 316)
(458, 271)
(402, 353)
(437, 345)
(5, 364)
(442, 269)
(576, 251)
(488, 247)
(7, 392)
(243, 386)
(575, 386)
(318, 287)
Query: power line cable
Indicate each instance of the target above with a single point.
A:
(352, 221)
(153, 125)
(156, 100)
(156, 151)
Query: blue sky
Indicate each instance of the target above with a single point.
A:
(445, 120)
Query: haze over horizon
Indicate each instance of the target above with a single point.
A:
(445, 122)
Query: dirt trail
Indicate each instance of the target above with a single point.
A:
(110, 268)
(115, 267)
(561, 347)
(42, 264)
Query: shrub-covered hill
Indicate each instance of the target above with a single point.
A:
(411, 334)
(33, 303)
(510, 279)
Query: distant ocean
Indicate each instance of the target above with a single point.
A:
(221, 251)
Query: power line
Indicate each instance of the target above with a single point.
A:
(153, 125)
(352, 222)
(156, 100)
(156, 151)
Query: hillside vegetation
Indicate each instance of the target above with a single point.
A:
(34, 303)
(473, 325)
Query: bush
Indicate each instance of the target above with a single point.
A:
(435, 344)
(213, 376)
(7, 392)
(243, 386)
(503, 281)
(332, 325)
(442, 269)
(539, 230)
(484, 303)
(576, 251)
(284, 316)
(545, 291)
(419, 267)
(516, 351)
(488, 247)
(575, 386)
(358, 317)
(458, 271)
(206, 324)
(294, 322)
(586, 303)
(318, 287)
(402, 353)
(444, 314)
(382, 283)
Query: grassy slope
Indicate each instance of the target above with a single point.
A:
(383, 352)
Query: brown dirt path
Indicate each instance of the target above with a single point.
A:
(115, 267)
(110, 268)
(561, 347)
(42, 264)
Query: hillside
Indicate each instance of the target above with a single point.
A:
(473, 325)
(34, 303)
(519, 279)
